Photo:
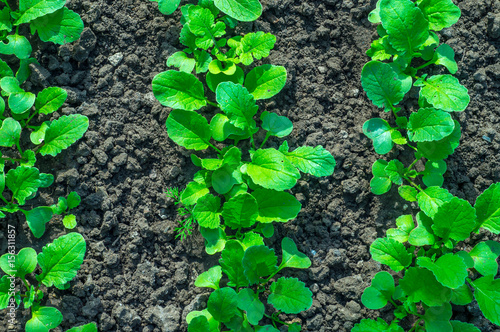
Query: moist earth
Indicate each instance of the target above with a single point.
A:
(136, 276)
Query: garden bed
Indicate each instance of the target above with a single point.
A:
(136, 276)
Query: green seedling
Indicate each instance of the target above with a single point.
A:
(249, 266)
(23, 179)
(58, 264)
(426, 249)
(242, 189)
(407, 36)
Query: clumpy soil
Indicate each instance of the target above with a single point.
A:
(136, 275)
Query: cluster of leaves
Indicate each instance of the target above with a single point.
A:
(22, 141)
(237, 195)
(436, 273)
(59, 263)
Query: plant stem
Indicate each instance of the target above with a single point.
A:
(415, 325)
(19, 147)
(411, 146)
(265, 140)
(212, 103)
(214, 147)
(413, 164)
(425, 65)
(276, 320)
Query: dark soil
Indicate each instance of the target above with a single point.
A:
(136, 276)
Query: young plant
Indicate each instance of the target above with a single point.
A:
(249, 266)
(59, 263)
(238, 194)
(436, 272)
(23, 179)
(407, 34)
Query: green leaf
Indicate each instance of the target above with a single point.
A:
(380, 292)
(394, 170)
(485, 255)
(432, 198)
(433, 174)
(255, 45)
(5, 292)
(5, 20)
(73, 200)
(374, 15)
(272, 170)
(455, 220)
(487, 294)
(290, 295)
(188, 129)
(421, 285)
(202, 24)
(380, 132)
(231, 263)
(439, 150)
(206, 211)
(199, 324)
(179, 90)
(446, 93)
(449, 270)
(222, 304)
(462, 295)
(61, 27)
(24, 71)
(405, 24)
(193, 192)
(61, 260)
(32, 9)
(408, 193)
(90, 327)
(276, 205)
(279, 126)
(440, 13)
(43, 319)
(38, 136)
(10, 85)
(221, 128)
(50, 100)
(167, 7)
(210, 278)
(215, 239)
(203, 60)
(405, 225)
(316, 161)
(259, 261)
(241, 10)
(17, 45)
(213, 325)
(252, 239)
(182, 61)
(380, 49)
(292, 257)
(21, 102)
(214, 80)
(422, 235)
(463, 327)
(241, 211)
(19, 265)
(382, 84)
(445, 56)
(380, 184)
(390, 252)
(23, 182)
(5, 70)
(368, 325)
(488, 209)
(69, 221)
(429, 124)
(238, 104)
(437, 319)
(10, 132)
(265, 81)
(37, 218)
(250, 303)
(63, 132)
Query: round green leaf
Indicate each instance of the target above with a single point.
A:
(231, 263)
(316, 161)
(241, 10)
(276, 205)
(223, 304)
(61, 260)
(259, 261)
(292, 257)
(437, 319)
(188, 129)
(488, 208)
(34, 9)
(221, 128)
(37, 218)
(421, 285)
(462, 295)
(50, 100)
(390, 252)
(63, 132)
(90, 327)
(422, 235)
(214, 80)
(17, 45)
(380, 292)
(449, 270)
(238, 104)
(380, 132)
(270, 169)
(179, 90)
(405, 226)
(10, 132)
(250, 303)
(455, 220)
(463, 327)
(21, 102)
(167, 7)
(210, 278)
(265, 81)
(213, 325)
(206, 211)
(440, 13)
(19, 265)
(430, 199)
(446, 93)
(44, 319)
(241, 211)
(199, 324)
(382, 84)
(276, 125)
(445, 56)
(485, 256)
(487, 294)
(380, 184)
(215, 239)
(69, 221)
(290, 295)
(429, 124)
(61, 27)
